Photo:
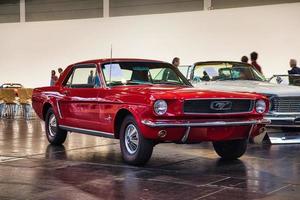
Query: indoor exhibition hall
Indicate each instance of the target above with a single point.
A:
(149, 99)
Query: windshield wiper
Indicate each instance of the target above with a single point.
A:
(138, 83)
(169, 83)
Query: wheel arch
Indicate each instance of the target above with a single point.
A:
(46, 107)
(120, 116)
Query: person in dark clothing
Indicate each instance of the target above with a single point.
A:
(169, 74)
(293, 65)
(245, 59)
(205, 76)
(91, 78)
(254, 57)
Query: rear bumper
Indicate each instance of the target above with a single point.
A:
(169, 124)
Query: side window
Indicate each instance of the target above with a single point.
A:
(84, 77)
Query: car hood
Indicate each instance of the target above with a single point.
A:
(251, 86)
(166, 92)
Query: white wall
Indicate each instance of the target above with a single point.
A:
(28, 51)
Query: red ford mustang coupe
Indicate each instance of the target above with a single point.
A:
(143, 103)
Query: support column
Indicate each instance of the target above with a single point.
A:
(22, 11)
(105, 8)
(207, 5)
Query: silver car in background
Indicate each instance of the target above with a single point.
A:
(242, 77)
(286, 79)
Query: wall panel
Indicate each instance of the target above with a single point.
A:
(142, 7)
(9, 11)
(220, 4)
(37, 10)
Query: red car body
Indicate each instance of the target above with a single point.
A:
(100, 111)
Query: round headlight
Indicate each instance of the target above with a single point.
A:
(160, 107)
(260, 106)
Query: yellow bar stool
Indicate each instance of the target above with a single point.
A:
(25, 95)
(2, 104)
(9, 98)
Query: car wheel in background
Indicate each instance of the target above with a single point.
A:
(55, 135)
(136, 150)
(232, 149)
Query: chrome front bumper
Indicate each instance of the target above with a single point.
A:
(158, 124)
(283, 121)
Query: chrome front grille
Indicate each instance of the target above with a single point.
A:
(228, 106)
(285, 104)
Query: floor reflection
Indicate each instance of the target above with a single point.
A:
(87, 167)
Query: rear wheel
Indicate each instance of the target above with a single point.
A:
(136, 150)
(230, 150)
(55, 135)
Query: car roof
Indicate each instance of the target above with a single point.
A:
(106, 60)
(218, 62)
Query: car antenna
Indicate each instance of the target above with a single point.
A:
(111, 52)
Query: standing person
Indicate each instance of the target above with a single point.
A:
(91, 78)
(254, 57)
(176, 62)
(53, 78)
(245, 59)
(293, 65)
(60, 71)
(169, 74)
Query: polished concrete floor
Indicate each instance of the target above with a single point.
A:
(88, 167)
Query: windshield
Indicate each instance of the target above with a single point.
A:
(138, 73)
(226, 71)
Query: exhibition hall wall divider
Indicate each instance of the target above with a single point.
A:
(28, 51)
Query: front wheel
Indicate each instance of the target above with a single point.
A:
(136, 150)
(55, 135)
(230, 150)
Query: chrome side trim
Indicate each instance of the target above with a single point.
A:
(87, 131)
(204, 124)
(58, 108)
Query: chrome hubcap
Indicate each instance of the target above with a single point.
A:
(131, 139)
(52, 126)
